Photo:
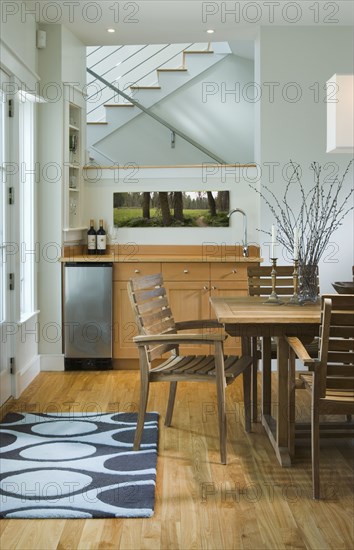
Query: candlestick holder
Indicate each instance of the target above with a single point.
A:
(294, 300)
(273, 299)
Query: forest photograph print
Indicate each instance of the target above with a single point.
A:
(171, 209)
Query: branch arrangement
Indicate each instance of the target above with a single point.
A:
(320, 213)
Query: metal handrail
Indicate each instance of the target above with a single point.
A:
(158, 118)
(107, 56)
(161, 64)
(104, 58)
(125, 74)
(138, 65)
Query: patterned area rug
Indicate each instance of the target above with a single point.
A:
(76, 465)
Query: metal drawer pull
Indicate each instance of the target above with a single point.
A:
(186, 271)
(205, 288)
(136, 270)
(213, 288)
(234, 271)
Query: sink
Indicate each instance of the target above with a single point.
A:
(344, 287)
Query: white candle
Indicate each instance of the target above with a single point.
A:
(296, 243)
(274, 241)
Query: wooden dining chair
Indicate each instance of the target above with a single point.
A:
(331, 380)
(260, 284)
(159, 333)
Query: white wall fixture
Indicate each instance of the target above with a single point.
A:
(340, 114)
(41, 39)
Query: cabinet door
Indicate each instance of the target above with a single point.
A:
(124, 324)
(129, 270)
(186, 271)
(189, 300)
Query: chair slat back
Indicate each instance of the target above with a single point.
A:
(337, 342)
(153, 315)
(260, 280)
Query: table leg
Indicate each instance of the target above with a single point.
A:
(283, 405)
(266, 375)
(291, 399)
(246, 350)
(277, 430)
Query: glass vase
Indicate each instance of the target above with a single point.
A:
(308, 288)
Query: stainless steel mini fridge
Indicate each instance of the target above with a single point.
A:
(88, 315)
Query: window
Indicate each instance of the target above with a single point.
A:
(3, 217)
(27, 179)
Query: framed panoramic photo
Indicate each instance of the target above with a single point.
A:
(171, 209)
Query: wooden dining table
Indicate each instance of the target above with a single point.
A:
(253, 316)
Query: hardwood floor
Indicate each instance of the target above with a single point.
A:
(200, 504)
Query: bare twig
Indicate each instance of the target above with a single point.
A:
(319, 213)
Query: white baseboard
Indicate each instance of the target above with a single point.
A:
(52, 362)
(26, 375)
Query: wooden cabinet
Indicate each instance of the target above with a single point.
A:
(189, 286)
(124, 325)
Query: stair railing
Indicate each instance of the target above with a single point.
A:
(158, 119)
(134, 83)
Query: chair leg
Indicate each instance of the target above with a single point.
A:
(254, 352)
(144, 394)
(220, 390)
(246, 376)
(170, 404)
(315, 442)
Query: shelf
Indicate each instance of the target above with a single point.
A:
(72, 127)
(74, 166)
(74, 190)
(68, 229)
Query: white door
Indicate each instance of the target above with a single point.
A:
(6, 327)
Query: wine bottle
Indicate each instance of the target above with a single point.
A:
(91, 239)
(101, 239)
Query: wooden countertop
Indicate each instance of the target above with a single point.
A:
(135, 253)
(121, 258)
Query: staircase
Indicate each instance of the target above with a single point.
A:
(147, 74)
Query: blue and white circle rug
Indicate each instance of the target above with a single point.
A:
(76, 465)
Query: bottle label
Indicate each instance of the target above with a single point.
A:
(91, 242)
(101, 242)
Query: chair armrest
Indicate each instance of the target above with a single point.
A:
(198, 323)
(301, 352)
(144, 339)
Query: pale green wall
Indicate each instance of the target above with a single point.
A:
(308, 56)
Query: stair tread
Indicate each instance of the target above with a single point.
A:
(118, 105)
(145, 87)
(198, 51)
(173, 70)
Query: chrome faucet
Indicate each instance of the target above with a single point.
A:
(244, 243)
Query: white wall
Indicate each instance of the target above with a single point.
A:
(18, 34)
(73, 59)
(99, 201)
(60, 63)
(307, 56)
(212, 109)
(50, 150)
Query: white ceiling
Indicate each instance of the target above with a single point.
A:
(173, 21)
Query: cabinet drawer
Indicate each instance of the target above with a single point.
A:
(126, 271)
(186, 271)
(228, 272)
